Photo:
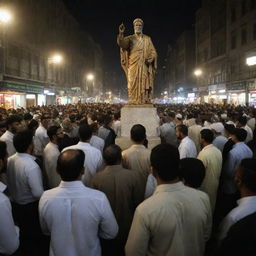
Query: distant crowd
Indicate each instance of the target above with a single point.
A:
(67, 189)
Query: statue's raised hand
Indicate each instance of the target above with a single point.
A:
(121, 28)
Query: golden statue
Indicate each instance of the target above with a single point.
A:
(139, 61)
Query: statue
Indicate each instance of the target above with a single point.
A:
(139, 61)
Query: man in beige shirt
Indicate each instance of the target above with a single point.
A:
(212, 160)
(175, 220)
(137, 157)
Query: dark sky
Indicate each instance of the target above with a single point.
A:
(163, 20)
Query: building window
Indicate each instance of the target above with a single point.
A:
(254, 32)
(243, 36)
(243, 7)
(233, 40)
(233, 14)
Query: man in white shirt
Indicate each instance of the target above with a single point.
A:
(14, 125)
(24, 179)
(194, 134)
(219, 140)
(242, 123)
(167, 132)
(117, 124)
(96, 141)
(212, 160)
(41, 138)
(9, 233)
(245, 180)
(51, 154)
(187, 147)
(93, 156)
(162, 224)
(74, 215)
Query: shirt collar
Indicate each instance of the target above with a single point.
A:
(26, 155)
(53, 144)
(169, 187)
(9, 133)
(208, 146)
(247, 200)
(84, 144)
(138, 146)
(71, 184)
(2, 187)
(113, 168)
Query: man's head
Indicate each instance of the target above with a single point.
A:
(164, 160)
(3, 156)
(23, 141)
(192, 171)
(138, 26)
(85, 133)
(245, 177)
(138, 134)
(229, 129)
(181, 131)
(67, 125)
(239, 135)
(45, 119)
(112, 155)
(94, 127)
(207, 137)
(55, 133)
(13, 123)
(241, 121)
(70, 164)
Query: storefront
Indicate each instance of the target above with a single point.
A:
(252, 92)
(217, 94)
(237, 93)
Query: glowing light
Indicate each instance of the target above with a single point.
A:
(5, 16)
(250, 61)
(198, 72)
(90, 77)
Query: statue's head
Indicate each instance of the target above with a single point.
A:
(138, 26)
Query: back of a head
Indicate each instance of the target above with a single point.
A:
(52, 130)
(108, 119)
(112, 155)
(70, 164)
(229, 128)
(27, 116)
(242, 120)
(33, 124)
(248, 173)
(13, 119)
(192, 171)
(94, 127)
(165, 160)
(183, 129)
(85, 132)
(117, 115)
(240, 134)
(207, 135)
(138, 133)
(22, 140)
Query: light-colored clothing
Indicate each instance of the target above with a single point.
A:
(187, 148)
(137, 158)
(103, 133)
(167, 133)
(239, 151)
(176, 220)
(251, 123)
(150, 186)
(97, 142)
(92, 162)
(75, 216)
(117, 127)
(9, 233)
(212, 160)
(249, 136)
(50, 156)
(7, 137)
(219, 142)
(246, 206)
(41, 139)
(194, 134)
(24, 178)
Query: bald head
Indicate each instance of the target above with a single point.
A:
(70, 164)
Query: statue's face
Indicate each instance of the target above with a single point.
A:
(138, 27)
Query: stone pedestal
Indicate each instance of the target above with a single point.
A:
(145, 115)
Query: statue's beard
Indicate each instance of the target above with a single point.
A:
(138, 30)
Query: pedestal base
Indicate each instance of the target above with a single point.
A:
(125, 142)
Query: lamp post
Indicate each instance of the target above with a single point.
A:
(198, 72)
(90, 78)
(54, 60)
(5, 18)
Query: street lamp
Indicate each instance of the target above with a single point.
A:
(90, 77)
(5, 16)
(198, 72)
(56, 59)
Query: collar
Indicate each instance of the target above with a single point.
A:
(138, 146)
(239, 143)
(2, 187)
(113, 168)
(169, 187)
(71, 184)
(247, 200)
(208, 146)
(10, 134)
(184, 139)
(87, 144)
(53, 144)
(26, 155)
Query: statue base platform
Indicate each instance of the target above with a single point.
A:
(125, 142)
(145, 115)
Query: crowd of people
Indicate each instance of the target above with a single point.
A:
(66, 188)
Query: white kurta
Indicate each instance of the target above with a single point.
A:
(40, 140)
(7, 137)
(187, 148)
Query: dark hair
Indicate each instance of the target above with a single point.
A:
(3, 150)
(117, 115)
(45, 116)
(165, 160)
(33, 124)
(248, 173)
(12, 119)
(229, 128)
(108, 119)
(85, 132)
(112, 155)
(138, 133)
(240, 134)
(70, 164)
(207, 135)
(27, 116)
(183, 129)
(242, 120)
(94, 127)
(192, 170)
(52, 130)
(22, 140)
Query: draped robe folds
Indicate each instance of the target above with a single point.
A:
(135, 52)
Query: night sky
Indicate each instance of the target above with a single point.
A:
(161, 22)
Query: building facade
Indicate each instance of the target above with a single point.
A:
(39, 30)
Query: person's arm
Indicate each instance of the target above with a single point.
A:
(150, 186)
(138, 238)
(35, 181)
(43, 223)
(122, 41)
(9, 234)
(108, 225)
